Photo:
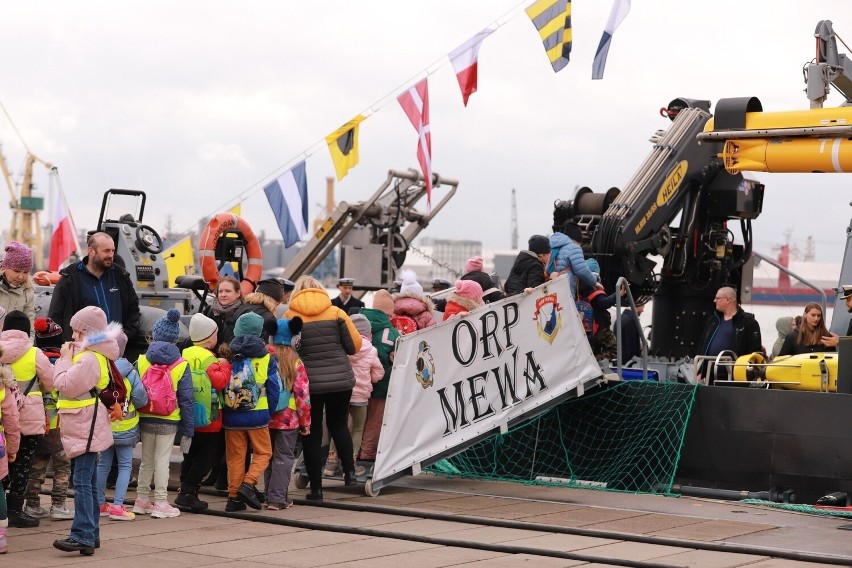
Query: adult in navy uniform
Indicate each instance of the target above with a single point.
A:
(96, 281)
(346, 301)
(845, 293)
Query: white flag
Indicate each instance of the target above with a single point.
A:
(620, 8)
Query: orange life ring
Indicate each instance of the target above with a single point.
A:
(46, 278)
(218, 226)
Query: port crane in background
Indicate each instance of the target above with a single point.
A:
(26, 223)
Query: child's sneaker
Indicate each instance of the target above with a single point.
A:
(332, 467)
(36, 511)
(162, 510)
(142, 506)
(4, 547)
(61, 513)
(104, 509)
(119, 513)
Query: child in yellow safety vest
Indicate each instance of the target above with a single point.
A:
(209, 376)
(158, 429)
(10, 439)
(34, 376)
(49, 452)
(249, 400)
(81, 370)
(125, 434)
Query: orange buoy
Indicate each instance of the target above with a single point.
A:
(46, 278)
(220, 224)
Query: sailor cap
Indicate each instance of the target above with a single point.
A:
(845, 291)
(346, 282)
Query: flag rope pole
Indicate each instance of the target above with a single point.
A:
(382, 102)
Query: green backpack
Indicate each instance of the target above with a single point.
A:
(205, 401)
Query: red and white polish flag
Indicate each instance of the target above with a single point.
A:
(64, 241)
(464, 59)
(415, 103)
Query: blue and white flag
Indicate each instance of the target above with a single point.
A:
(620, 8)
(288, 198)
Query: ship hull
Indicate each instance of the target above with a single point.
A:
(750, 439)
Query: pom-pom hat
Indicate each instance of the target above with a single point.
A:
(167, 327)
(48, 333)
(287, 329)
(410, 285)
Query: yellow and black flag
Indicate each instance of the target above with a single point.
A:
(343, 145)
(552, 19)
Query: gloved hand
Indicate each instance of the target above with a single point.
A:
(185, 443)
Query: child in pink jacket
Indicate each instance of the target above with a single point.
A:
(34, 376)
(82, 367)
(10, 439)
(368, 370)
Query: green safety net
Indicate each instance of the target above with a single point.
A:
(810, 509)
(625, 436)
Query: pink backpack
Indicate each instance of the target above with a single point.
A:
(157, 380)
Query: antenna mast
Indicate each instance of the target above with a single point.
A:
(514, 220)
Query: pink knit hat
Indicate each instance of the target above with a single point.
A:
(383, 302)
(473, 264)
(89, 320)
(18, 257)
(469, 289)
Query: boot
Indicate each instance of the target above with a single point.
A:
(314, 495)
(187, 500)
(21, 520)
(349, 477)
(4, 547)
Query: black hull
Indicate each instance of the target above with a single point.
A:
(757, 440)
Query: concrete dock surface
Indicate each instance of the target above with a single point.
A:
(208, 539)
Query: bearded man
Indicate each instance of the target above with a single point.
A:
(96, 281)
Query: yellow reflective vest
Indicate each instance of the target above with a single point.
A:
(25, 371)
(86, 399)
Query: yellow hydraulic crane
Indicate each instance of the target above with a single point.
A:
(26, 225)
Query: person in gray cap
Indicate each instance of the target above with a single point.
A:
(346, 301)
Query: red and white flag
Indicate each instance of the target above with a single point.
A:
(464, 60)
(415, 103)
(64, 242)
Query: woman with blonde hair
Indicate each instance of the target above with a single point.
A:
(811, 335)
(328, 338)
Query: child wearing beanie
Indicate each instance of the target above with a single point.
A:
(83, 366)
(465, 298)
(368, 370)
(49, 452)
(473, 270)
(158, 431)
(250, 398)
(9, 441)
(292, 416)
(17, 291)
(383, 338)
(125, 435)
(209, 376)
(412, 302)
(33, 374)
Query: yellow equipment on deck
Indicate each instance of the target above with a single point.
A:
(806, 372)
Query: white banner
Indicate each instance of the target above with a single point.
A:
(472, 375)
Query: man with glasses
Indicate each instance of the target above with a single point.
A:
(729, 328)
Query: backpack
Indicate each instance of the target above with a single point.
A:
(242, 392)
(162, 398)
(116, 390)
(404, 324)
(286, 398)
(205, 401)
(587, 313)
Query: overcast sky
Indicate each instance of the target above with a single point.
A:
(198, 102)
